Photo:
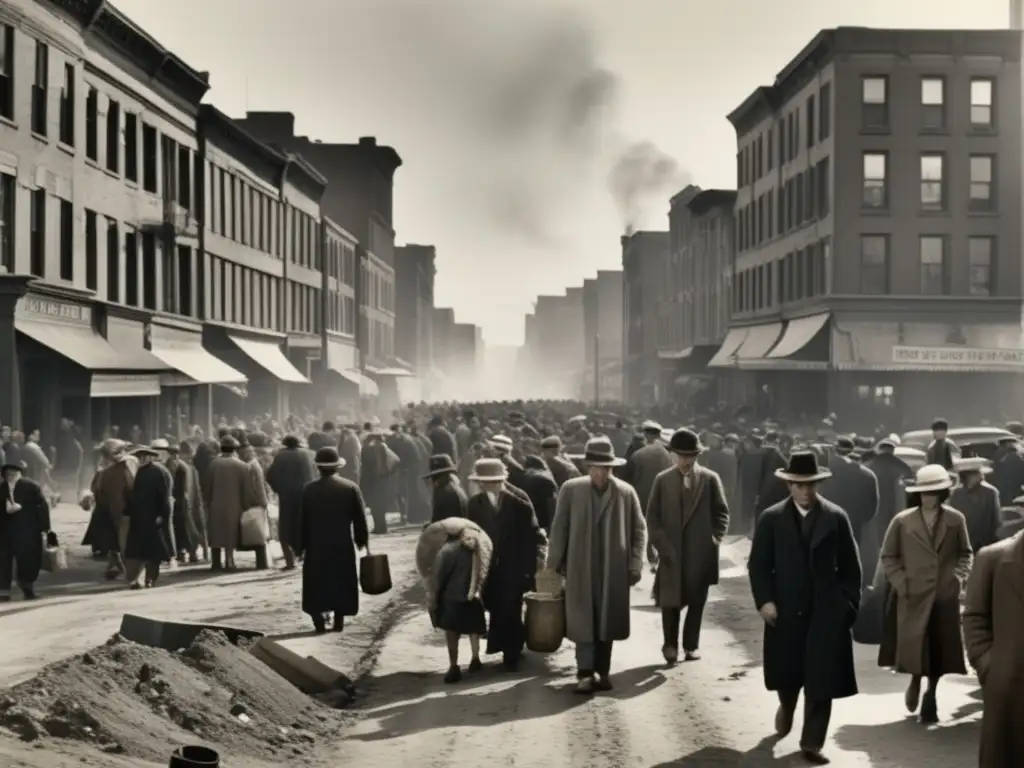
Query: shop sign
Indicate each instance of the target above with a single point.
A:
(57, 310)
(958, 356)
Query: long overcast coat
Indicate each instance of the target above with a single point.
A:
(230, 492)
(620, 522)
(288, 475)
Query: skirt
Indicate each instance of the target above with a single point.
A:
(466, 617)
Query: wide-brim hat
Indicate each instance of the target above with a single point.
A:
(651, 426)
(931, 478)
(441, 464)
(803, 467)
(328, 458)
(11, 465)
(551, 441)
(686, 442)
(489, 471)
(160, 445)
(599, 453)
(972, 464)
(502, 443)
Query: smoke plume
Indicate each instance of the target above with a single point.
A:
(641, 174)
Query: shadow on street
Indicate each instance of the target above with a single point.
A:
(902, 742)
(724, 757)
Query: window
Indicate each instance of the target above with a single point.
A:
(169, 167)
(148, 270)
(823, 182)
(982, 98)
(185, 178)
(933, 196)
(980, 254)
(874, 264)
(149, 158)
(67, 106)
(91, 251)
(113, 137)
(67, 241)
(874, 102)
(131, 146)
(7, 71)
(933, 265)
(8, 188)
(185, 281)
(92, 124)
(40, 89)
(113, 262)
(933, 103)
(825, 112)
(37, 241)
(876, 189)
(982, 191)
(811, 115)
(131, 268)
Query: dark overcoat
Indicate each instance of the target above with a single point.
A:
(1008, 476)
(771, 490)
(816, 590)
(644, 466)
(289, 473)
(442, 442)
(21, 532)
(333, 527)
(149, 540)
(854, 488)
(540, 486)
(189, 517)
(449, 500)
(723, 462)
(561, 469)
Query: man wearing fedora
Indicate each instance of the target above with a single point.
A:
(448, 498)
(805, 575)
(288, 475)
(852, 486)
(507, 516)
(150, 539)
(560, 467)
(977, 501)
(687, 517)
(24, 521)
(643, 466)
(597, 543)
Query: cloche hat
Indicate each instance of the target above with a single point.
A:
(931, 478)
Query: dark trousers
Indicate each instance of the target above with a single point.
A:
(217, 558)
(593, 658)
(9, 563)
(670, 619)
(817, 714)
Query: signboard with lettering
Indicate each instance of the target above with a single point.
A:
(56, 310)
(964, 357)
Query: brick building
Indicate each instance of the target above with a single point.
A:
(602, 336)
(414, 312)
(645, 255)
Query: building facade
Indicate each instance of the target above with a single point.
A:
(602, 337)
(343, 379)
(876, 242)
(415, 268)
(644, 258)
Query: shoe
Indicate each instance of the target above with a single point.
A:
(511, 663)
(603, 683)
(30, 594)
(671, 654)
(453, 675)
(912, 698)
(475, 665)
(814, 757)
(783, 722)
(693, 655)
(929, 708)
(585, 686)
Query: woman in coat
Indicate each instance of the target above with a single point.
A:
(926, 556)
(230, 491)
(333, 527)
(289, 473)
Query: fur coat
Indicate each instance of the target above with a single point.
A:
(435, 536)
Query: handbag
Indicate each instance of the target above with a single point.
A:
(374, 573)
(55, 556)
(254, 527)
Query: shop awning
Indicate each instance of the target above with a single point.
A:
(397, 373)
(198, 366)
(760, 339)
(268, 355)
(678, 354)
(78, 343)
(726, 353)
(367, 386)
(124, 385)
(798, 334)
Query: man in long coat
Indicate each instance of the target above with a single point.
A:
(24, 520)
(378, 466)
(506, 515)
(723, 462)
(560, 467)
(994, 635)
(892, 474)
(540, 486)
(805, 576)
(977, 501)
(441, 440)
(597, 542)
(289, 473)
(643, 466)
(229, 493)
(247, 453)
(189, 517)
(350, 448)
(333, 529)
(449, 500)
(687, 518)
(852, 487)
(111, 498)
(149, 541)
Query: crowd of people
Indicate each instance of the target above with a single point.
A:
(509, 494)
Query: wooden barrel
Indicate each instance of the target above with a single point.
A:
(545, 622)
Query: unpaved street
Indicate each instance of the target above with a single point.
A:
(708, 713)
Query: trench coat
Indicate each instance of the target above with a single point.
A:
(644, 466)
(620, 523)
(289, 473)
(812, 652)
(149, 540)
(926, 579)
(686, 529)
(449, 500)
(333, 520)
(994, 636)
(231, 491)
(21, 533)
(854, 488)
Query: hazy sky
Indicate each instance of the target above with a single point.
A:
(529, 135)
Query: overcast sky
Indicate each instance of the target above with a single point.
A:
(530, 137)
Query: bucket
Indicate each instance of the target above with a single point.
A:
(374, 573)
(194, 757)
(545, 622)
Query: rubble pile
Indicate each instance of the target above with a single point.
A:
(128, 699)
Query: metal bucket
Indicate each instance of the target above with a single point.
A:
(194, 757)
(545, 622)
(374, 574)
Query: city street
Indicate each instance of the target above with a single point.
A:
(713, 712)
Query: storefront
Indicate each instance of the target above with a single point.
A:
(398, 386)
(349, 392)
(685, 378)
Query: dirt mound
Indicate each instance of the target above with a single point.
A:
(129, 699)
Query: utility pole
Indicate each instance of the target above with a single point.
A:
(597, 371)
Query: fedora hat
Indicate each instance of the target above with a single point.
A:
(502, 443)
(160, 445)
(16, 466)
(803, 468)
(328, 458)
(551, 441)
(685, 442)
(651, 426)
(599, 453)
(972, 464)
(440, 464)
(144, 450)
(489, 471)
(931, 478)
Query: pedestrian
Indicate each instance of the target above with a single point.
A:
(926, 556)
(378, 465)
(247, 445)
(186, 524)
(942, 450)
(805, 576)
(229, 492)
(333, 528)
(457, 581)
(448, 498)
(560, 467)
(720, 458)
(24, 521)
(643, 466)
(893, 475)
(993, 622)
(507, 517)
(687, 518)
(192, 507)
(540, 486)
(111, 491)
(852, 487)
(977, 501)
(149, 541)
(598, 540)
(289, 473)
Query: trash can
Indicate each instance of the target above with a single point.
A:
(194, 757)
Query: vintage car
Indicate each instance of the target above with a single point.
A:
(972, 441)
(914, 458)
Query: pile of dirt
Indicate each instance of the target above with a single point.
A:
(133, 700)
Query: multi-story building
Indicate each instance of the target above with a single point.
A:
(876, 242)
(359, 197)
(699, 290)
(98, 218)
(414, 315)
(442, 322)
(644, 256)
(340, 249)
(602, 336)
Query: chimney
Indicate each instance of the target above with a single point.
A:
(367, 141)
(624, 240)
